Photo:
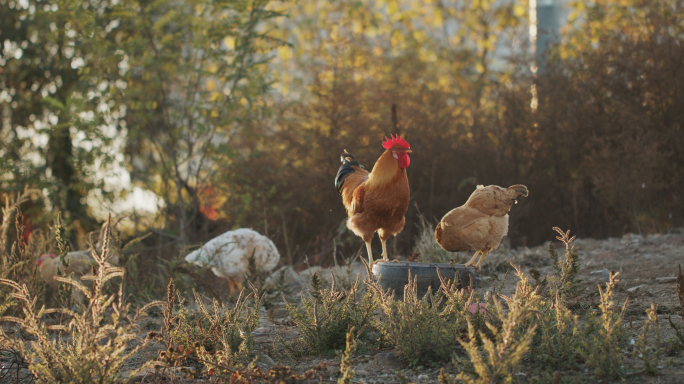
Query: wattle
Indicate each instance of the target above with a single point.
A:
(404, 161)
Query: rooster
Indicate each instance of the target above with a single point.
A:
(228, 255)
(376, 201)
(480, 223)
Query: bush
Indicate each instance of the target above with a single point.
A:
(563, 285)
(345, 359)
(424, 331)
(502, 349)
(92, 343)
(327, 315)
(603, 335)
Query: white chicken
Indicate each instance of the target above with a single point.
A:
(228, 255)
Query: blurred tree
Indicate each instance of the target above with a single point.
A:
(39, 77)
(347, 63)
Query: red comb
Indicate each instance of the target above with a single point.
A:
(395, 140)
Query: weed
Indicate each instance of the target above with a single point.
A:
(555, 345)
(345, 359)
(564, 283)
(327, 315)
(255, 275)
(502, 348)
(18, 258)
(424, 332)
(603, 335)
(281, 285)
(647, 349)
(92, 346)
(677, 343)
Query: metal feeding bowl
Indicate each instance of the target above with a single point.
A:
(395, 276)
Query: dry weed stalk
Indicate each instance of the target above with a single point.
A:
(604, 335)
(17, 262)
(346, 358)
(424, 331)
(648, 350)
(503, 346)
(92, 345)
(327, 315)
(679, 330)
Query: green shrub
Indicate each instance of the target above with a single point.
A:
(496, 355)
(602, 335)
(563, 284)
(424, 331)
(327, 315)
(555, 344)
(345, 359)
(647, 347)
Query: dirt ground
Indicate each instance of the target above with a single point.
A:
(648, 266)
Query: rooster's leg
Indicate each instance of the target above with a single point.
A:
(231, 285)
(384, 250)
(471, 262)
(479, 263)
(370, 253)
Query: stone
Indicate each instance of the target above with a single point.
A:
(666, 279)
(388, 360)
(265, 362)
(261, 331)
(634, 289)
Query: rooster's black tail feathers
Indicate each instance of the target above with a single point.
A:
(348, 162)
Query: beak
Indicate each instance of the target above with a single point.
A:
(408, 151)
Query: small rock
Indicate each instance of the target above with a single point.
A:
(605, 274)
(388, 360)
(666, 279)
(423, 377)
(634, 289)
(265, 362)
(361, 372)
(261, 331)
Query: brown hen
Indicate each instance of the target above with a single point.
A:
(480, 223)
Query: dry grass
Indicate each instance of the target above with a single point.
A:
(89, 344)
(539, 329)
